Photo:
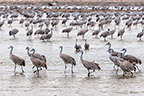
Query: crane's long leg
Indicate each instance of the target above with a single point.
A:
(131, 74)
(33, 67)
(138, 68)
(88, 73)
(38, 71)
(22, 69)
(92, 71)
(15, 68)
(114, 66)
(65, 69)
(117, 71)
(72, 69)
(67, 34)
(124, 73)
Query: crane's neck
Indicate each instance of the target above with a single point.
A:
(11, 50)
(115, 27)
(85, 41)
(61, 50)
(111, 52)
(76, 42)
(109, 46)
(31, 27)
(51, 31)
(28, 52)
(124, 52)
(119, 56)
(33, 52)
(81, 57)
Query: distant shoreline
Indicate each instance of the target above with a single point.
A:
(74, 3)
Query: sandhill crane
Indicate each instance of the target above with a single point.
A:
(115, 53)
(17, 60)
(38, 56)
(77, 47)
(64, 21)
(13, 32)
(67, 30)
(86, 45)
(96, 32)
(132, 59)
(82, 32)
(111, 32)
(47, 36)
(2, 23)
(89, 65)
(21, 21)
(39, 31)
(126, 66)
(29, 33)
(37, 62)
(27, 24)
(67, 60)
(10, 21)
(139, 35)
(121, 32)
(105, 34)
(115, 59)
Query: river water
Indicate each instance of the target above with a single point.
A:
(53, 81)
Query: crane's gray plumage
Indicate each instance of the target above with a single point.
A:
(132, 59)
(121, 32)
(105, 34)
(89, 65)
(115, 60)
(86, 45)
(29, 33)
(37, 62)
(13, 32)
(17, 60)
(77, 47)
(67, 30)
(47, 36)
(82, 32)
(126, 66)
(139, 35)
(96, 32)
(67, 60)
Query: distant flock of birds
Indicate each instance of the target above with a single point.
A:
(33, 15)
(127, 63)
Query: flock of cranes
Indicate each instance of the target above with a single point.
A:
(83, 23)
(127, 63)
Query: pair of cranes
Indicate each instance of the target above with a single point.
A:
(127, 63)
(38, 60)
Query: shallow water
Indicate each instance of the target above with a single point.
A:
(53, 81)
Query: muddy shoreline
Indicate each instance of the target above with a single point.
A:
(74, 3)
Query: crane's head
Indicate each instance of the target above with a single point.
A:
(108, 43)
(33, 49)
(82, 51)
(123, 49)
(45, 66)
(27, 48)
(61, 47)
(10, 47)
(51, 29)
